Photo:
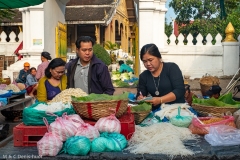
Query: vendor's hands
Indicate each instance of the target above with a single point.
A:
(140, 97)
(154, 101)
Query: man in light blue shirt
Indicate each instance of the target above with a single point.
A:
(31, 82)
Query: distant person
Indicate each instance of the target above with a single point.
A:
(53, 82)
(32, 83)
(45, 57)
(22, 77)
(214, 91)
(124, 67)
(188, 94)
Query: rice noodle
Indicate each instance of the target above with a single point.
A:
(160, 138)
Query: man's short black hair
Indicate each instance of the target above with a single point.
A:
(84, 39)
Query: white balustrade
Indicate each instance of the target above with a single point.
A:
(180, 39)
(209, 39)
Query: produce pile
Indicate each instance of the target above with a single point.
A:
(209, 80)
(124, 79)
(160, 138)
(222, 101)
(64, 136)
(65, 95)
(100, 97)
(12, 87)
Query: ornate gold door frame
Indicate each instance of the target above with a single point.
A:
(61, 41)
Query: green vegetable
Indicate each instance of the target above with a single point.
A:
(225, 100)
(100, 97)
(119, 83)
(141, 107)
(125, 76)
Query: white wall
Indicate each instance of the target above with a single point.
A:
(221, 59)
(8, 48)
(33, 29)
(54, 12)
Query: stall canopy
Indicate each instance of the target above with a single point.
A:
(11, 4)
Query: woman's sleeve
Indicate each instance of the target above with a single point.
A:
(176, 79)
(64, 83)
(41, 91)
(39, 72)
(142, 82)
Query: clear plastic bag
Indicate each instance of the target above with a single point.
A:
(223, 135)
(197, 128)
(236, 116)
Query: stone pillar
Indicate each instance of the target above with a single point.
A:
(230, 52)
(108, 32)
(112, 31)
(39, 24)
(151, 24)
(97, 33)
(230, 58)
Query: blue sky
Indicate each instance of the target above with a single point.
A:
(170, 13)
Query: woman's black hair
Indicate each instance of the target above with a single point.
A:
(33, 68)
(56, 62)
(151, 49)
(120, 62)
(46, 55)
(187, 87)
(84, 39)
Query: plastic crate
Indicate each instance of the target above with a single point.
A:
(27, 135)
(127, 124)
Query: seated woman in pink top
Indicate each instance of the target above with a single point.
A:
(45, 56)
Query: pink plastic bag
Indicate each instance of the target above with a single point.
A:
(109, 124)
(3, 86)
(197, 128)
(50, 144)
(63, 128)
(87, 130)
(76, 117)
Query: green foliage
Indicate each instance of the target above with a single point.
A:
(205, 17)
(168, 29)
(129, 62)
(100, 97)
(111, 46)
(225, 100)
(102, 54)
(142, 107)
(6, 14)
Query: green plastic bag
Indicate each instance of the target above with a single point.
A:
(33, 117)
(149, 120)
(77, 145)
(181, 121)
(109, 142)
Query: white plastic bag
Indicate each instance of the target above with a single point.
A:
(87, 130)
(108, 124)
(50, 144)
(223, 135)
(74, 116)
(63, 128)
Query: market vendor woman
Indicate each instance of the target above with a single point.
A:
(53, 82)
(162, 80)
